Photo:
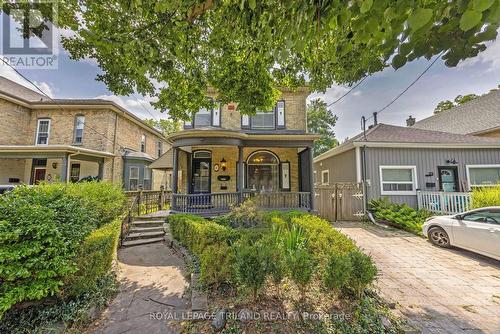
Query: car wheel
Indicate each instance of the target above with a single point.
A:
(439, 237)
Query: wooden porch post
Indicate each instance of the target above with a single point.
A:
(175, 170)
(241, 177)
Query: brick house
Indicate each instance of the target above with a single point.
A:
(67, 140)
(222, 157)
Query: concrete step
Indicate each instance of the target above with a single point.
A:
(147, 223)
(146, 229)
(144, 235)
(162, 218)
(137, 242)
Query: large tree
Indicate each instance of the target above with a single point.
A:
(247, 49)
(459, 100)
(166, 126)
(321, 120)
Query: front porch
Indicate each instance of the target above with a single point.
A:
(218, 170)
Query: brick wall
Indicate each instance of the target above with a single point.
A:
(14, 124)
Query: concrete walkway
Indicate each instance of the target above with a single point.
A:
(439, 290)
(151, 280)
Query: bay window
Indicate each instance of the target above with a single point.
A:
(483, 175)
(398, 180)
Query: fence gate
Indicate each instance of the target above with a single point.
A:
(340, 201)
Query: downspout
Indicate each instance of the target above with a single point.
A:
(363, 178)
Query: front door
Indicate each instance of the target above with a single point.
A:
(39, 175)
(200, 178)
(448, 178)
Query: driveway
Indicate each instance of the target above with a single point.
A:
(439, 290)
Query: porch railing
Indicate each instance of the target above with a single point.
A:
(443, 202)
(217, 203)
(149, 201)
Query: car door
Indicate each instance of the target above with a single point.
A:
(479, 230)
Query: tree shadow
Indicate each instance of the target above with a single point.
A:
(150, 255)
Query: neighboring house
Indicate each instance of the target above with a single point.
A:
(67, 140)
(222, 157)
(480, 117)
(397, 161)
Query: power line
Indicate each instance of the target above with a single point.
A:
(143, 107)
(55, 102)
(347, 93)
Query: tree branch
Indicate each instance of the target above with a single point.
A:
(200, 9)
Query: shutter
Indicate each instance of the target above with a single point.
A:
(245, 121)
(280, 110)
(285, 175)
(216, 114)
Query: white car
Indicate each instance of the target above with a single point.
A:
(476, 230)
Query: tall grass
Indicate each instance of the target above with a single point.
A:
(486, 196)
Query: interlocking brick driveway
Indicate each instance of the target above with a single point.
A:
(439, 290)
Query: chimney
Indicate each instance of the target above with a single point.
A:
(410, 121)
(375, 121)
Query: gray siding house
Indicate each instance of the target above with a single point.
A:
(397, 161)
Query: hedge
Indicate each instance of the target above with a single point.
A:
(486, 196)
(42, 230)
(94, 259)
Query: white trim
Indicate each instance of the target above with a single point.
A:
(396, 193)
(315, 178)
(358, 165)
(469, 185)
(130, 176)
(38, 129)
(323, 172)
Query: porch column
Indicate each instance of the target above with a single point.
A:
(64, 168)
(311, 176)
(175, 173)
(240, 183)
(100, 173)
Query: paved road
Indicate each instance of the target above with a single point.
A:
(151, 280)
(439, 290)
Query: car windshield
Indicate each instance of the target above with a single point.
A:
(487, 215)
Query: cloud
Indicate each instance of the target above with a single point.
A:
(139, 106)
(9, 73)
(490, 57)
(45, 87)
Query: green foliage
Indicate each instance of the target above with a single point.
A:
(363, 271)
(337, 272)
(94, 259)
(399, 215)
(41, 231)
(250, 265)
(106, 199)
(321, 120)
(216, 264)
(459, 100)
(166, 126)
(245, 215)
(485, 196)
(189, 46)
(73, 312)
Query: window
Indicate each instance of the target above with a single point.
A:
(133, 183)
(147, 179)
(168, 185)
(263, 171)
(143, 143)
(79, 124)
(483, 175)
(263, 120)
(325, 177)
(315, 177)
(43, 132)
(75, 173)
(203, 118)
(491, 216)
(398, 180)
(159, 148)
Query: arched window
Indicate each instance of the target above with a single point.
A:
(263, 171)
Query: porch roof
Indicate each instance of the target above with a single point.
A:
(224, 137)
(24, 150)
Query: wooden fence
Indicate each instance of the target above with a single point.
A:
(340, 201)
(443, 202)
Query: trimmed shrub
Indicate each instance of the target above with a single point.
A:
(337, 272)
(216, 264)
(250, 266)
(486, 196)
(245, 215)
(106, 199)
(94, 259)
(363, 271)
(301, 266)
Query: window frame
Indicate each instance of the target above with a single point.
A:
(143, 143)
(467, 171)
(76, 128)
(273, 127)
(147, 176)
(325, 172)
(130, 177)
(38, 131)
(398, 192)
(159, 148)
(75, 165)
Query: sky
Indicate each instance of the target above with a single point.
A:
(76, 79)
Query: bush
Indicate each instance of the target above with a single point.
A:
(41, 229)
(94, 259)
(486, 196)
(106, 199)
(337, 272)
(216, 264)
(245, 215)
(363, 271)
(301, 266)
(399, 215)
(250, 266)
